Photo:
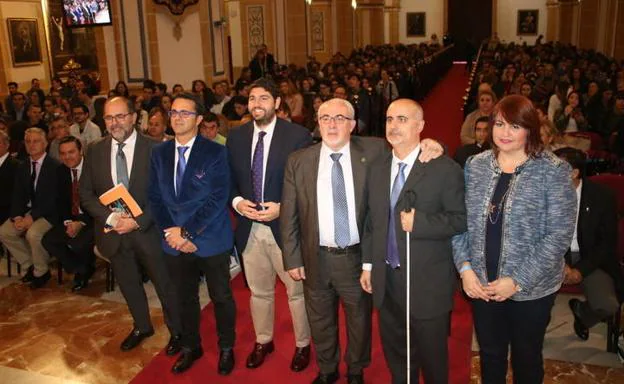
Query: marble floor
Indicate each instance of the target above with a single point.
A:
(53, 336)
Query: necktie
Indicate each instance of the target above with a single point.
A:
(256, 168)
(33, 179)
(342, 234)
(181, 167)
(392, 246)
(75, 196)
(122, 166)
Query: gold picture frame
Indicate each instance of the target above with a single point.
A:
(24, 39)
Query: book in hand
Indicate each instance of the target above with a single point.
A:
(120, 201)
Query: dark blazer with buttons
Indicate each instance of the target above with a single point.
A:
(7, 175)
(299, 211)
(46, 192)
(96, 179)
(201, 206)
(436, 191)
(287, 137)
(65, 198)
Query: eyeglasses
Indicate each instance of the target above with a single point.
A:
(117, 118)
(338, 119)
(183, 114)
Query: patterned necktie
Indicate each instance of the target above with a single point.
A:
(256, 168)
(342, 234)
(122, 166)
(392, 246)
(33, 179)
(181, 167)
(75, 195)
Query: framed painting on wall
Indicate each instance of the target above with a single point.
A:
(415, 23)
(527, 22)
(24, 40)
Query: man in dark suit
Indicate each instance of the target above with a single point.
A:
(19, 107)
(258, 152)
(434, 195)
(188, 194)
(71, 239)
(8, 166)
(480, 144)
(130, 243)
(591, 260)
(322, 219)
(33, 209)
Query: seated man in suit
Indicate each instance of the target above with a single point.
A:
(188, 193)
(591, 260)
(481, 141)
(33, 209)
(71, 240)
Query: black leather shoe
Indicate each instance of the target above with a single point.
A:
(80, 283)
(300, 359)
(135, 338)
(256, 357)
(38, 282)
(579, 328)
(326, 378)
(186, 359)
(355, 379)
(29, 276)
(173, 346)
(226, 361)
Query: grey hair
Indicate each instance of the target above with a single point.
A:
(336, 100)
(37, 131)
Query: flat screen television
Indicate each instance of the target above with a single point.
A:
(86, 13)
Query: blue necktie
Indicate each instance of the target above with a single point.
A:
(392, 246)
(342, 234)
(181, 167)
(122, 166)
(256, 168)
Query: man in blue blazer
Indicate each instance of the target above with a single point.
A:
(189, 188)
(258, 152)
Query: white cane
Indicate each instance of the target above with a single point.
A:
(407, 305)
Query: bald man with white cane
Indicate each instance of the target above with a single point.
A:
(411, 252)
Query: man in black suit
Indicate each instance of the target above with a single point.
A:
(131, 244)
(19, 107)
(258, 152)
(71, 239)
(433, 194)
(591, 260)
(33, 209)
(480, 144)
(8, 100)
(322, 218)
(188, 194)
(8, 166)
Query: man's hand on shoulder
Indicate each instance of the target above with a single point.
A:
(429, 150)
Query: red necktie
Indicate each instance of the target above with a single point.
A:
(75, 196)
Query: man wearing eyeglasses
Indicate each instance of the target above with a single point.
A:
(188, 194)
(130, 243)
(258, 152)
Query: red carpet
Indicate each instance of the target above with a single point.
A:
(443, 121)
(443, 115)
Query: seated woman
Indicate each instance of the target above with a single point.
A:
(521, 209)
(291, 96)
(486, 100)
(570, 118)
(550, 136)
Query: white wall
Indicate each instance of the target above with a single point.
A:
(434, 10)
(23, 75)
(111, 55)
(180, 61)
(236, 34)
(507, 21)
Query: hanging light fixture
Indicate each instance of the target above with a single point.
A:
(354, 4)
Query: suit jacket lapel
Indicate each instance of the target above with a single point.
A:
(358, 169)
(193, 163)
(274, 148)
(106, 160)
(168, 166)
(139, 148)
(310, 175)
(416, 174)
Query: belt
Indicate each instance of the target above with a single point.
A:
(341, 251)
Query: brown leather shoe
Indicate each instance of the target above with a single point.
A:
(300, 359)
(256, 357)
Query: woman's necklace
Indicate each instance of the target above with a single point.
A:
(494, 210)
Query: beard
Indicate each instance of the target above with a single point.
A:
(266, 118)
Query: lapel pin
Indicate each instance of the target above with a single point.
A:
(586, 209)
(363, 160)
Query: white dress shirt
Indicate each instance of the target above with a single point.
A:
(269, 129)
(89, 134)
(128, 150)
(78, 168)
(3, 158)
(574, 247)
(37, 167)
(187, 154)
(409, 160)
(324, 196)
